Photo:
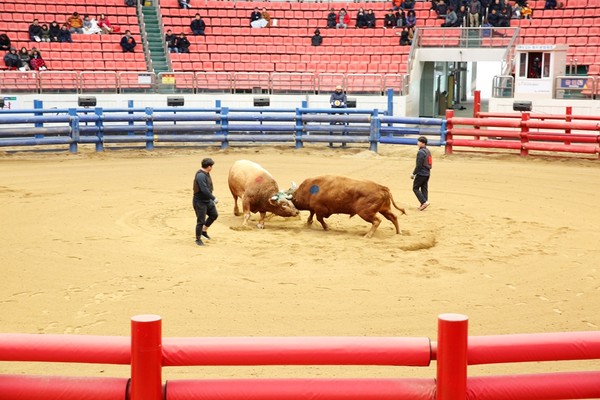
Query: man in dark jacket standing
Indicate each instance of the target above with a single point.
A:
(420, 175)
(204, 201)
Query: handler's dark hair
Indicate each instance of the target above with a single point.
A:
(422, 139)
(207, 162)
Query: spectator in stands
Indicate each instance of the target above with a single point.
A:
(254, 16)
(182, 43)
(474, 13)
(342, 20)
(407, 4)
(4, 42)
(35, 31)
(54, 31)
(75, 23)
(496, 5)
(25, 58)
(130, 3)
(170, 38)
(12, 59)
(45, 33)
(396, 4)
(37, 62)
(361, 18)
(65, 34)
(411, 19)
(526, 12)
(266, 16)
(441, 9)
(331, 17)
(389, 21)
(127, 42)
(400, 18)
(90, 25)
(316, 39)
(197, 25)
(104, 24)
(504, 17)
(493, 18)
(550, 5)
(451, 19)
(461, 14)
(404, 39)
(185, 4)
(370, 17)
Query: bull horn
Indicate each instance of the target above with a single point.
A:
(289, 196)
(293, 187)
(274, 198)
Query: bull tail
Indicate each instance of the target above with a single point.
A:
(389, 192)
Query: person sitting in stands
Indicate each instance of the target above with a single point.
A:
(400, 18)
(389, 21)
(396, 4)
(37, 62)
(182, 43)
(370, 17)
(493, 18)
(127, 42)
(550, 5)
(407, 4)
(4, 42)
(45, 33)
(35, 31)
(197, 25)
(411, 19)
(104, 24)
(404, 39)
(441, 9)
(90, 25)
(75, 23)
(504, 17)
(12, 59)
(317, 39)
(185, 4)
(267, 17)
(255, 16)
(54, 31)
(361, 18)
(25, 58)
(170, 38)
(461, 14)
(331, 18)
(451, 19)
(65, 34)
(342, 20)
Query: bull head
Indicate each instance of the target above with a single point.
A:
(290, 192)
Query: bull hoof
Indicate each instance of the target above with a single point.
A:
(237, 213)
(260, 226)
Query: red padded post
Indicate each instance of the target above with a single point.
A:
(449, 127)
(146, 357)
(452, 360)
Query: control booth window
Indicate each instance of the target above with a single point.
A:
(534, 65)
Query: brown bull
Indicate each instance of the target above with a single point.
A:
(332, 194)
(258, 191)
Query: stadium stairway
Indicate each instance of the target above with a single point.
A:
(155, 39)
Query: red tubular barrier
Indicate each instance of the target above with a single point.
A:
(452, 357)
(500, 123)
(302, 389)
(490, 144)
(22, 387)
(65, 348)
(146, 358)
(555, 386)
(297, 351)
(534, 347)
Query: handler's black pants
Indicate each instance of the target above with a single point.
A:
(420, 188)
(202, 211)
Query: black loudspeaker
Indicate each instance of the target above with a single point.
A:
(89, 101)
(522, 106)
(175, 101)
(262, 102)
(351, 103)
(1, 102)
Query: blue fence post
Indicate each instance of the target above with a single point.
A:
(300, 125)
(99, 127)
(443, 132)
(374, 131)
(224, 127)
(390, 102)
(130, 123)
(38, 105)
(74, 123)
(149, 129)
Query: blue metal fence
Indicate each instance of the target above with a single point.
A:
(221, 126)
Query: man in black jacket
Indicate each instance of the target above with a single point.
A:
(197, 25)
(421, 173)
(204, 201)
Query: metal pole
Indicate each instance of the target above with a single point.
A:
(452, 360)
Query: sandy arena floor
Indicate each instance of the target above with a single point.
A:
(91, 239)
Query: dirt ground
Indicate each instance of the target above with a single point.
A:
(91, 239)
